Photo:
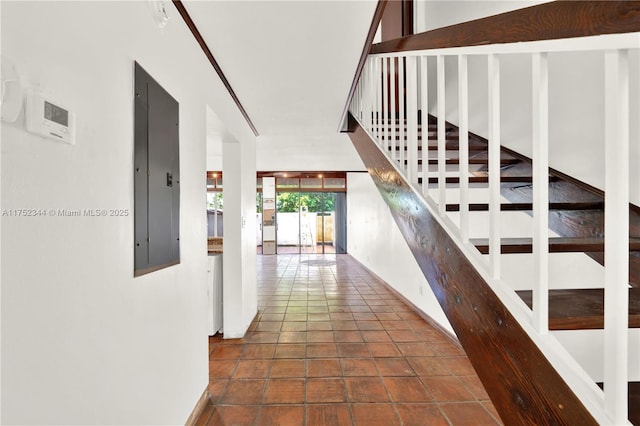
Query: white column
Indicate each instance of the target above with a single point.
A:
(616, 243)
(239, 283)
(540, 168)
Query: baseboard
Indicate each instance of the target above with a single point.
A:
(199, 408)
(426, 317)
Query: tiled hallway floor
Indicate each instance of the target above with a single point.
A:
(331, 345)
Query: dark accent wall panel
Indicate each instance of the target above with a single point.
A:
(156, 176)
(522, 384)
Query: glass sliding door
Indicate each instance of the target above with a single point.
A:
(310, 213)
(310, 206)
(332, 223)
(339, 222)
(288, 222)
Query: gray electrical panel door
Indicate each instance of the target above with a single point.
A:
(156, 176)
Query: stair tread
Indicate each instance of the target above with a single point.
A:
(582, 309)
(449, 137)
(472, 161)
(483, 161)
(598, 205)
(556, 244)
(484, 179)
(451, 145)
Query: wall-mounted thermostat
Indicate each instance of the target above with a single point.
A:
(48, 118)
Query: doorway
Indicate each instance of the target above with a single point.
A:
(310, 222)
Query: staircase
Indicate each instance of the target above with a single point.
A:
(513, 250)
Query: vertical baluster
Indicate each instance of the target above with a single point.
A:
(616, 226)
(361, 84)
(401, 109)
(494, 165)
(540, 169)
(378, 86)
(385, 103)
(392, 101)
(442, 141)
(366, 104)
(463, 145)
(372, 95)
(412, 121)
(352, 104)
(424, 111)
(359, 97)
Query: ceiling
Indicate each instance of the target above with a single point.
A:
(291, 63)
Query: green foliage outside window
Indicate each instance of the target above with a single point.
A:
(289, 202)
(211, 200)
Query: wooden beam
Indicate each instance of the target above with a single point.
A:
(547, 21)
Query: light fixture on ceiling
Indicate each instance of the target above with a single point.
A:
(159, 12)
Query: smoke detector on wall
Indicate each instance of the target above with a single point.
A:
(159, 12)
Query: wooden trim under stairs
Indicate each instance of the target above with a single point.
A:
(522, 384)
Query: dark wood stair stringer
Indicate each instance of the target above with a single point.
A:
(523, 386)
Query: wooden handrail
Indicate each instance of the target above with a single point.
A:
(205, 48)
(375, 22)
(554, 20)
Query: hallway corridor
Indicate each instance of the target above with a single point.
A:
(332, 345)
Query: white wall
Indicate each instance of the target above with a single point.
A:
(576, 100)
(431, 14)
(373, 238)
(299, 153)
(83, 342)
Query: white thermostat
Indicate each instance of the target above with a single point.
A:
(48, 118)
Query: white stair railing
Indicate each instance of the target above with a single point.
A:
(374, 106)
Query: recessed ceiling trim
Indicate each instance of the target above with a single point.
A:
(196, 34)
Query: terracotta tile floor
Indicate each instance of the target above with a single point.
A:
(332, 345)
